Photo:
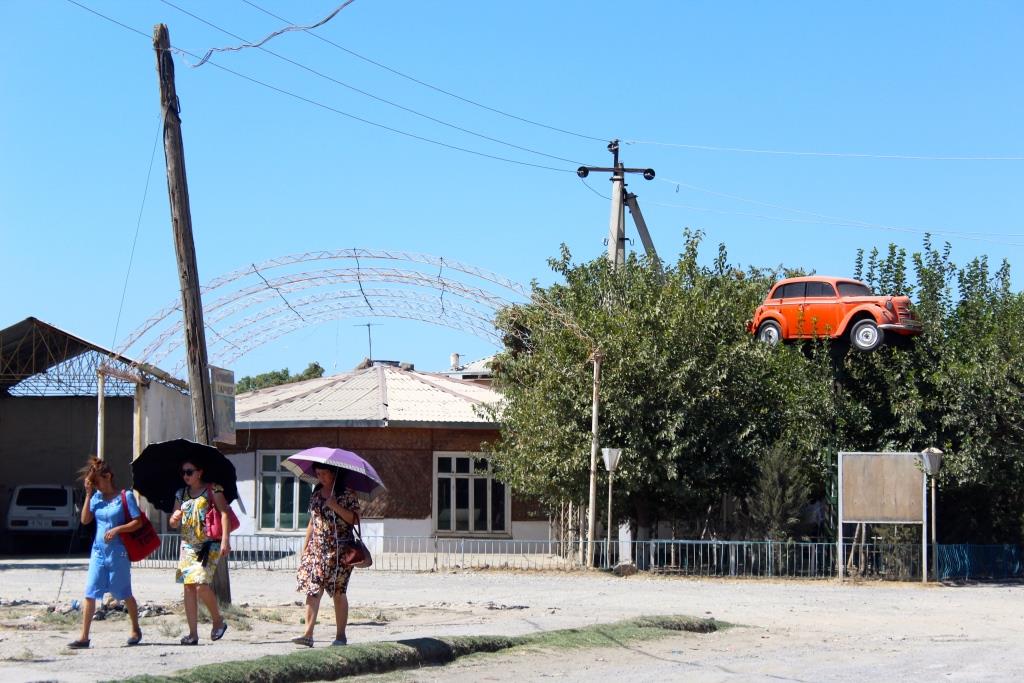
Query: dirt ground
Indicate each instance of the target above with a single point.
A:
(794, 630)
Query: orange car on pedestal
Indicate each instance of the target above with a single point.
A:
(821, 306)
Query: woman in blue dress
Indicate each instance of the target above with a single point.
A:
(109, 566)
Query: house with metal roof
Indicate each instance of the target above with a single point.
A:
(425, 433)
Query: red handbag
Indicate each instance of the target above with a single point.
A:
(214, 529)
(140, 543)
(355, 553)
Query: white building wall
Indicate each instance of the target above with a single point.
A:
(245, 472)
(531, 531)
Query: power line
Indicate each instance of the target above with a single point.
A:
(315, 103)
(588, 186)
(275, 34)
(361, 91)
(432, 87)
(840, 155)
(138, 224)
(819, 218)
(113, 21)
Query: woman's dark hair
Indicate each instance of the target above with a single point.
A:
(94, 468)
(339, 475)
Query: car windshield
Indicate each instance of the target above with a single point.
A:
(854, 289)
(40, 497)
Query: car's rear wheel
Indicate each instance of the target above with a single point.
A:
(865, 335)
(769, 332)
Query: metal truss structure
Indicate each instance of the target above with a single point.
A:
(253, 306)
(38, 359)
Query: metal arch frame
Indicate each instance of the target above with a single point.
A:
(324, 314)
(390, 304)
(248, 298)
(475, 300)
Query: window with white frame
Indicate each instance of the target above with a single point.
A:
(284, 498)
(467, 496)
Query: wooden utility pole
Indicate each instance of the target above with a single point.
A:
(188, 272)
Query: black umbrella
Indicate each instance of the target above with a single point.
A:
(157, 470)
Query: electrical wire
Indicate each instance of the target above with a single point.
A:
(273, 35)
(837, 220)
(369, 94)
(587, 185)
(821, 219)
(840, 155)
(282, 91)
(138, 224)
(428, 85)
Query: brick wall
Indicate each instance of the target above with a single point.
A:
(403, 457)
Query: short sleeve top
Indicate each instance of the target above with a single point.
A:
(194, 511)
(109, 514)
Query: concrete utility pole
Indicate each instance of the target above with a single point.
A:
(617, 257)
(188, 273)
(620, 200)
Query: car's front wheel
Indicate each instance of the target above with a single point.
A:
(769, 332)
(865, 335)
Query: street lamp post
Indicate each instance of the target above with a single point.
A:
(611, 461)
(932, 458)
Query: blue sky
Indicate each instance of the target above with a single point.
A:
(270, 174)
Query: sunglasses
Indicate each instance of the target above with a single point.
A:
(187, 472)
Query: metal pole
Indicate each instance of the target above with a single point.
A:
(935, 546)
(840, 559)
(100, 415)
(608, 551)
(592, 504)
(924, 528)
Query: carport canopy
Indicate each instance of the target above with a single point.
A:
(37, 358)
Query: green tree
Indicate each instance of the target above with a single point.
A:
(277, 377)
(779, 495)
(958, 386)
(686, 392)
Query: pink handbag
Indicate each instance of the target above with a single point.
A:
(214, 529)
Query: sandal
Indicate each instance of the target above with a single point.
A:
(190, 640)
(78, 644)
(340, 641)
(303, 640)
(218, 631)
(136, 638)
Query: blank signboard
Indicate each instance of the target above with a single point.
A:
(882, 487)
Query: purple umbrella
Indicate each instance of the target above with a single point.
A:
(359, 474)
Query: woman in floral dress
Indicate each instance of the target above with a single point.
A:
(331, 517)
(200, 555)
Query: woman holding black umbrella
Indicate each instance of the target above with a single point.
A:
(200, 555)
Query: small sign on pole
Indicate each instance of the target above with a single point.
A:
(223, 383)
(882, 488)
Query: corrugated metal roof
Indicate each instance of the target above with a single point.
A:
(380, 395)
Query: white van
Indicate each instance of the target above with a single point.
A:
(51, 509)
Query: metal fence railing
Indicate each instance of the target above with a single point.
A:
(991, 562)
(709, 558)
